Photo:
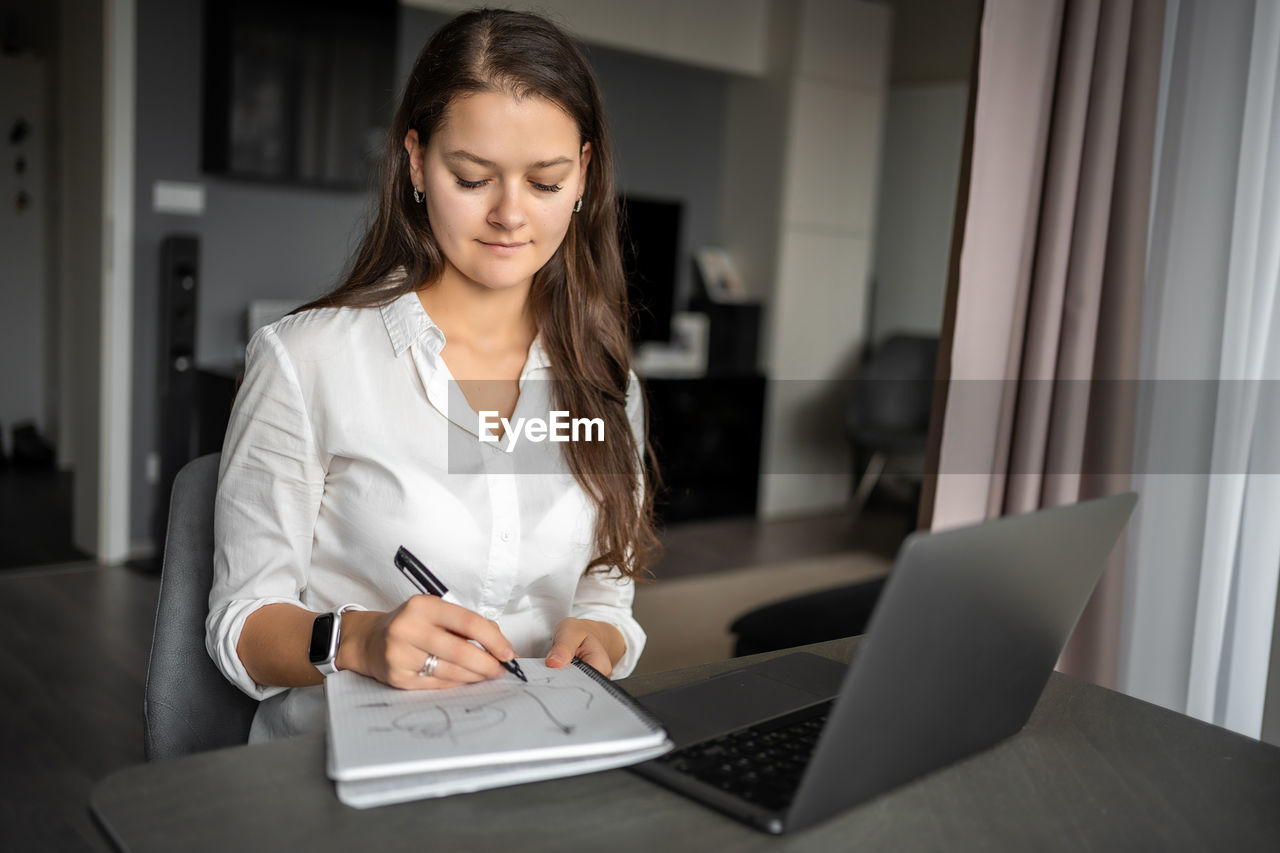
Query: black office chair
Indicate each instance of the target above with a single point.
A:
(189, 706)
(887, 420)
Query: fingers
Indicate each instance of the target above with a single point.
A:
(566, 642)
(472, 626)
(589, 650)
(563, 651)
(574, 639)
(593, 653)
(425, 626)
(443, 673)
(457, 661)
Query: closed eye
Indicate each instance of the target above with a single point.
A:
(475, 185)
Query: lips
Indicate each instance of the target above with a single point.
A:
(503, 248)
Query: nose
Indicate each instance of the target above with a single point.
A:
(507, 213)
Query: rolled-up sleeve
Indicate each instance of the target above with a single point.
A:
(607, 596)
(270, 483)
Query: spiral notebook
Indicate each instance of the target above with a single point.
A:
(388, 745)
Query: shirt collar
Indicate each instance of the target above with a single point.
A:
(537, 359)
(407, 324)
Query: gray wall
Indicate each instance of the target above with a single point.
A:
(278, 242)
(923, 147)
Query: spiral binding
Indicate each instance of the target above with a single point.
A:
(618, 693)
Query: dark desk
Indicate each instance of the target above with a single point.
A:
(1093, 770)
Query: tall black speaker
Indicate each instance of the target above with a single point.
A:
(177, 399)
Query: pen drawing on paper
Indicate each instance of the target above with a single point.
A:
(563, 714)
(555, 708)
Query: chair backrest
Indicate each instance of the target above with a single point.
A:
(894, 390)
(189, 705)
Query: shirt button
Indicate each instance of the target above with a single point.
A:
(489, 613)
(506, 536)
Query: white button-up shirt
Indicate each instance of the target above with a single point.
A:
(349, 438)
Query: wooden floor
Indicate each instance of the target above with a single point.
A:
(74, 641)
(711, 546)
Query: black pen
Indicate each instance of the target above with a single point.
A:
(428, 584)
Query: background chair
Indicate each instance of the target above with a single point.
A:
(887, 420)
(887, 425)
(189, 706)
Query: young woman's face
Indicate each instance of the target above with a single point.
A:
(500, 177)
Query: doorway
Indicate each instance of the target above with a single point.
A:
(67, 74)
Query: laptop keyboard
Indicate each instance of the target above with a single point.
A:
(761, 764)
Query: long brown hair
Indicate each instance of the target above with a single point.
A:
(578, 299)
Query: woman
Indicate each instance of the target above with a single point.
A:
(489, 285)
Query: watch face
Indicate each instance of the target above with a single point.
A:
(321, 634)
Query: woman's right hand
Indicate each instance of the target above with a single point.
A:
(393, 647)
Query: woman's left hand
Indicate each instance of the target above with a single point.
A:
(598, 643)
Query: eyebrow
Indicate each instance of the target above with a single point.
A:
(489, 164)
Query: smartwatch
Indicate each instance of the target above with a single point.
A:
(325, 633)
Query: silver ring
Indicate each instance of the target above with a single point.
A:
(429, 667)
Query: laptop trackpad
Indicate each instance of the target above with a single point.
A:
(744, 696)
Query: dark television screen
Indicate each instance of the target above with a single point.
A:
(297, 91)
(650, 254)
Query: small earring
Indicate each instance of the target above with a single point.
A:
(417, 196)
(577, 205)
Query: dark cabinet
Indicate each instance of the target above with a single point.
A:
(706, 438)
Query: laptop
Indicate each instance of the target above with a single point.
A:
(959, 648)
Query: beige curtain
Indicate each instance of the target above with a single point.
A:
(1044, 301)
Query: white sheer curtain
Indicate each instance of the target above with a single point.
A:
(1205, 551)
